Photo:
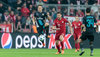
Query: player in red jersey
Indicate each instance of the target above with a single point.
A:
(77, 32)
(60, 27)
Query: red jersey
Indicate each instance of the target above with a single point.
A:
(77, 26)
(60, 24)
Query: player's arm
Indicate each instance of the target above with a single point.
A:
(83, 28)
(54, 28)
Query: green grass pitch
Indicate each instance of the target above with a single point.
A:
(45, 53)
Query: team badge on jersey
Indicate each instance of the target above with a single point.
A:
(79, 24)
(62, 21)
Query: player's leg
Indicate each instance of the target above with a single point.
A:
(78, 44)
(91, 39)
(58, 46)
(62, 42)
(75, 38)
(40, 31)
(47, 30)
(80, 40)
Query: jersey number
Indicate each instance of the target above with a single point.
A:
(90, 22)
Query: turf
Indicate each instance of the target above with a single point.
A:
(45, 53)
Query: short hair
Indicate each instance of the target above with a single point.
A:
(39, 5)
(88, 10)
(96, 1)
(58, 12)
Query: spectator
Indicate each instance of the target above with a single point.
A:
(52, 2)
(53, 13)
(19, 5)
(9, 9)
(65, 11)
(1, 8)
(79, 13)
(25, 11)
(73, 1)
(31, 8)
(46, 1)
(32, 14)
(1, 19)
(28, 23)
(78, 2)
(18, 25)
(91, 2)
(86, 3)
(72, 10)
(99, 13)
(28, 3)
(12, 3)
(83, 2)
(94, 8)
(5, 16)
(34, 2)
(64, 1)
(40, 3)
(12, 17)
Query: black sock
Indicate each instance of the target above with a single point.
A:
(81, 46)
(91, 48)
(47, 31)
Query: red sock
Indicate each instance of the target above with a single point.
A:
(62, 45)
(58, 47)
(76, 45)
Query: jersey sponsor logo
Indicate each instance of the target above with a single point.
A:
(40, 18)
(42, 14)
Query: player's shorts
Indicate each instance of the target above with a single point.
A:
(57, 37)
(86, 36)
(40, 30)
(76, 35)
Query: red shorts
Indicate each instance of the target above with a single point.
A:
(76, 35)
(58, 35)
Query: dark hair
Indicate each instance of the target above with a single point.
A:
(96, 1)
(88, 10)
(39, 5)
(58, 12)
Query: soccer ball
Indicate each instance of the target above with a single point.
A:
(41, 37)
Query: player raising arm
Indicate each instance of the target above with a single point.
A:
(60, 27)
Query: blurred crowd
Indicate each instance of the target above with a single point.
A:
(21, 12)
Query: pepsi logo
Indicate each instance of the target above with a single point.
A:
(6, 41)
